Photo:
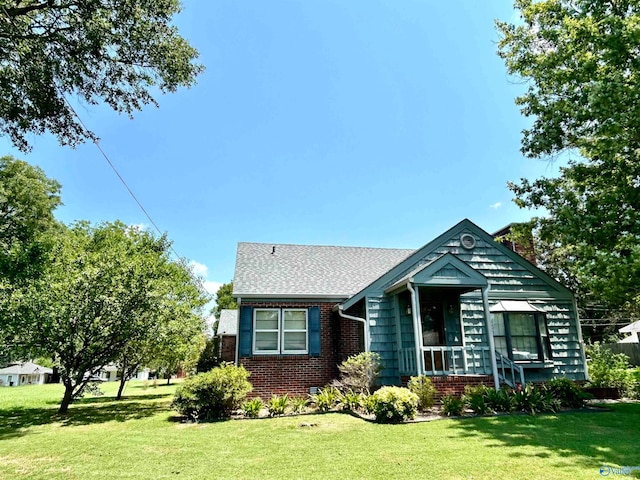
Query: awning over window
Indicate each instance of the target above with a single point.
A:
(514, 306)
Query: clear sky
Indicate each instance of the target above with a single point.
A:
(362, 122)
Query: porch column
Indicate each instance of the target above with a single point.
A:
(492, 345)
(417, 327)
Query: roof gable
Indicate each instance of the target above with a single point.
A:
(419, 259)
(228, 323)
(446, 270)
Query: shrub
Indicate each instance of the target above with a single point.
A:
(394, 404)
(452, 405)
(359, 372)
(352, 400)
(298, 404)
(635, 389)
(533, 400)
(608, 369)
(476, 399)
(567, 392)
(253, 407)
(326, 399)
(499, 400)
(424, 389)
(277, 405)
(212, 395)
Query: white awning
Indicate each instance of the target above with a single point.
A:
(632, 327)
(514, 306)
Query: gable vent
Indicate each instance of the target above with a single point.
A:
(467, 241)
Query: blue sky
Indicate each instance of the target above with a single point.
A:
(366, 123)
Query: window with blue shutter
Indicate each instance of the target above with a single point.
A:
(314, 331)
(245, 334)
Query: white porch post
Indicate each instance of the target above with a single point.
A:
(492, 346)
(417, 327)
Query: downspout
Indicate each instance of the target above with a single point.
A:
(583, 353)
(417, 328)
(492, 344)
(239, 302)
(357, 319)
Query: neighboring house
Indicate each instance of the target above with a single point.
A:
(462, 309)
(227, 331)
(109, 373)
(26, 373)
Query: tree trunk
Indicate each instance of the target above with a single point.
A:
(66, 399)
(123, 379)
(168, 379)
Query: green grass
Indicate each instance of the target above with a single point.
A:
(139, 437)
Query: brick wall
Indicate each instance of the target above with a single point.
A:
(454, 384)
(294, 374)
(228, 348)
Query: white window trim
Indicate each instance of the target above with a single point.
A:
(281, 331)
(306, 331)
(255, 330)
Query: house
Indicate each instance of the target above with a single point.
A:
(227, 331)
(26, 373)
(463, 309)
(110, 373)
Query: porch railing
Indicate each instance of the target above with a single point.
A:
(447, 360)
(508, 371)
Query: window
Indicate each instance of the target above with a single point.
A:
(280, 331)
(522, 336)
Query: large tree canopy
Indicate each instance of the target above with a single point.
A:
(106, 288)
(111, 51)
(581, 62)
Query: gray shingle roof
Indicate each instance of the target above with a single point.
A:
(298, 270)
(26, 368)
(228, 323)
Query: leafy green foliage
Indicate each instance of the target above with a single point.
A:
(532, 399)
(499, 400)
(298, 404)
(568, 393)
(580, 63)
(212, 395)
(452, 405)
(353, 401)
(424, 389)
(277, 405)
(475, 398)
(97, 50)
(360, 372)
(608, 369)
(224, 299)
(327, 398)
(394, 404)
(252, 408)
(208, 358)
(109, 291)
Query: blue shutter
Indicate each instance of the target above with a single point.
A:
(314, 331)
(245, 331)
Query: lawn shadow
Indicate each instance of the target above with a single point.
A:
(589, 439)
(16, 422)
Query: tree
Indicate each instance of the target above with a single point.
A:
(580, 62)
(209, 357)
(224, 299)
(108, 51)
(106, 288)
(27, 201)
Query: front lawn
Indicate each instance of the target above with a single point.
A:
(139, 437)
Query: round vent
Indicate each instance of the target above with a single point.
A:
(467, 241)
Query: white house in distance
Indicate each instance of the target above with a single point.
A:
(26, 373)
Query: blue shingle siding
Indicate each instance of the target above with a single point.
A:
(382, 330)
(508, 278)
